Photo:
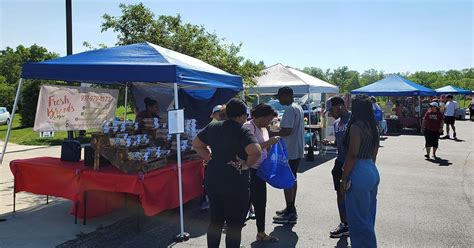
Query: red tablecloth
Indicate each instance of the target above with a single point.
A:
(157, 190)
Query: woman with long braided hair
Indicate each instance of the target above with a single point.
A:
(360, 178)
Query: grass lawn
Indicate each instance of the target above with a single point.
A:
(26, 135)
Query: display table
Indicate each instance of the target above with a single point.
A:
(103, 190)
(393, 126)
(409, 122)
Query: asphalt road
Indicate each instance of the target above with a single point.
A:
(422, 203)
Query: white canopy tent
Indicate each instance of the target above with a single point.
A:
(279, 75)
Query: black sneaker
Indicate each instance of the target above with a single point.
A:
(280, 212)
(287, 218)
(340, 231)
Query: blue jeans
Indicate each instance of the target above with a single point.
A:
(361, 203)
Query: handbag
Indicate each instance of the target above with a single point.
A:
(275, 169)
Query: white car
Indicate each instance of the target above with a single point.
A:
(4, 116)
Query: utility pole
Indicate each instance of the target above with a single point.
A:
(70, 134)
(69, 27)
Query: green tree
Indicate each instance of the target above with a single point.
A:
(138, 24)
(427, 79)
(370, 76)
(317, 72)
(7, 94)
(353, 81)
(345, 79)
(11, 62)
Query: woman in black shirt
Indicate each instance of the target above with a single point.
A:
(360, 177)
(234, 150)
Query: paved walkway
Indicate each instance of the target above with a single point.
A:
(37, 224)
(421, 204)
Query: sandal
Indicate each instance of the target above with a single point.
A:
(265, 237)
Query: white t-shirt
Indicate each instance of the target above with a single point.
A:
(261, 134)
(293, 118)
(450, 109)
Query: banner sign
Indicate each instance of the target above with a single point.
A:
(69, 108)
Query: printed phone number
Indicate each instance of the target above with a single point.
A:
(87, 98)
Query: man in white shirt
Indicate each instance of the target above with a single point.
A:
(449, 115)
(292, 132)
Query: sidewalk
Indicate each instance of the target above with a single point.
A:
(35, 223)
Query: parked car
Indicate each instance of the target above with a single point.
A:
(4, 116)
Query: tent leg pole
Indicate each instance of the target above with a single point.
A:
(419, 113)
(310, 155)
(182, 236)
(14, 193)
(10, 124)
(126, 101)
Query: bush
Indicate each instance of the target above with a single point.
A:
(29, 100)
(7, 96)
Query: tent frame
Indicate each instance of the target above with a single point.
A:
(182, 236)
(15, 104)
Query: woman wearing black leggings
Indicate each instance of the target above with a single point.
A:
(262, 116)
(234, 150)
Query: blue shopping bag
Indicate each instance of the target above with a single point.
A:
(275, 169)
(378, 114)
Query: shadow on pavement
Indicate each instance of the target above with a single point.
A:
(287, 238)
(440, 161)
(342, 243)
(318, 160)
(140, 231)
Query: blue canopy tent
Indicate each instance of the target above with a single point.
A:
(394, 85)
(449, 89)
(145, 62)
(452, 90)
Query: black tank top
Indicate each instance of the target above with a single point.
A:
(367, 144)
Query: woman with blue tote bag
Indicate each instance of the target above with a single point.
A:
(262, 116)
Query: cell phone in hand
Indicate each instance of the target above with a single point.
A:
(348, 185)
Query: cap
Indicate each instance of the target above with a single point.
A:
(284, 91)
(217, 108)
(434, 104)
(333, 101)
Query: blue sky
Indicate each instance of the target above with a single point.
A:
(394, 36)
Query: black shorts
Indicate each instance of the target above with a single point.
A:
(337, 175)
(294, 163)
(449, 120)
(431, 138)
